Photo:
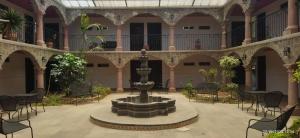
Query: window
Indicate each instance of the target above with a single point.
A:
(204, 27)
(89, 65)
(188, 27)
(204, 64)
(189, 64)
(103, 65)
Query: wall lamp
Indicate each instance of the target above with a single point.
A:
(119, 60)
(245, 1)
(172, 60)
(44, 59)
(287, 51)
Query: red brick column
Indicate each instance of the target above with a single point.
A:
(248, 38)
(40, 78)
(172, 38)
(292, 85)
(248, 77)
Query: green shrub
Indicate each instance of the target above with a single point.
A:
(101, 90)
(292, 131)
(189, 89)
(280, 135)
(209, 75)
(53, 100)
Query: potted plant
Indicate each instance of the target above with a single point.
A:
(14, 24)
(49, 43)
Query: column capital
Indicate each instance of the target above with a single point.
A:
(248, 12)
(290, 66)
(247, 67)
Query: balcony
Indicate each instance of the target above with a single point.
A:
(154, 42)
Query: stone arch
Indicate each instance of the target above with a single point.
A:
(240, 3)
(59, 12)
(215, 58)
(251, 53)
(214, 14)
(33, 57)
(74, 14)
(231, 7)
(150, 55)
(130, 15)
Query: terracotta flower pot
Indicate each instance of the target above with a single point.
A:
(50, 44)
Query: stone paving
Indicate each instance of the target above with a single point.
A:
(68, 121)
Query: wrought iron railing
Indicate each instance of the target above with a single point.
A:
(269, 26)
(154, 42)
(198, 41)
(236, 36)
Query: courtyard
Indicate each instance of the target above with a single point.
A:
(69, 121)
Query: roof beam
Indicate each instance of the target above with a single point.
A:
(126, 3)
(193, 3)
(94, 3)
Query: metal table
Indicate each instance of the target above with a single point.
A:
(26, 99)
(256, 95)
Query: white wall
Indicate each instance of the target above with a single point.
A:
(184, 74)
(12, 75)
(104, 75)
(276, 73)
(209, 39)
(195, 21)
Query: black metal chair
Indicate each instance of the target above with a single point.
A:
(39, 98)
(12, 126)
(80, 89)
(275, 124)
(242, 96)
(10, 104)
(272, 101)
(210, 89)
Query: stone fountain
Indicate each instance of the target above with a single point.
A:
(143, 106)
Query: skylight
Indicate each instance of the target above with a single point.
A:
(141, 3)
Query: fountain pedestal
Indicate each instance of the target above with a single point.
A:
(143, 105)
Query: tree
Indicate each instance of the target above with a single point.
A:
(296, 74)
(227, 64)
(209, 75)
(67, 70)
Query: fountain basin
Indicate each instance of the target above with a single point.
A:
(132, 106)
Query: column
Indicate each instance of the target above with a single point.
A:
(40, 28)
(224, 36)
(119, 79)
(292, 17)
(248, 77)
(172, 87)
(66, 38)
(119, 38)
(172, 38)
(146, 46)
(292, 86)
(40, 78)
(248, 38)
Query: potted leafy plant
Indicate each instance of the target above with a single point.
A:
(14, 24)
(92, 42)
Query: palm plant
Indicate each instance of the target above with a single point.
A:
(14, 24)
(85, 26)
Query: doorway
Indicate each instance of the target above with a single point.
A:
(52, 33)
(237, 33)
(261, 27)
(29, 75)
(155, 75)
(29, 29)
(154, 36)
(260, 73)
(136, 36)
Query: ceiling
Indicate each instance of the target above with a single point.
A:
(141, 3)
